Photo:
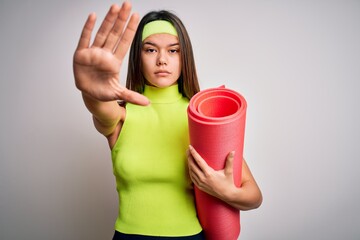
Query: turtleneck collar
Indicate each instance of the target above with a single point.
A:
(162, 95)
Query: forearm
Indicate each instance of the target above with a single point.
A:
(247, 197)
(220, 183)
(106, 114)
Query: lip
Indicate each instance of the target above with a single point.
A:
(162, 73)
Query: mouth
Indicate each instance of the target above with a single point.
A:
(162, 73)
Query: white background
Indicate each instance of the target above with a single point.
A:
(296, 62)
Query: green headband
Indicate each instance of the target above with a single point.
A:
(158, 26)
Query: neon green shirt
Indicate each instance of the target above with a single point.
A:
(149, 163)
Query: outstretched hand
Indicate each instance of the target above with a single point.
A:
(97, 67)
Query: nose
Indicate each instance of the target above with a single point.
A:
(162, 60)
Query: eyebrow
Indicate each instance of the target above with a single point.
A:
(155, 45)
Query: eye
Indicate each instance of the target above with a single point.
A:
(174, 50)
(150, 50)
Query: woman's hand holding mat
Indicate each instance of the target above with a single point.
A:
(214, 183)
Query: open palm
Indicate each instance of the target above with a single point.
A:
(97, 67)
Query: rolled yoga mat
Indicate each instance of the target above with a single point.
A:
(216, 127)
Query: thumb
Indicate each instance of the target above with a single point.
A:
(122, 93)
(229, 163)
(134, 97)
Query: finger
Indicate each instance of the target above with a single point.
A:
(106, 26)
(194, 170)
(194, 178)
(85, 37)
(118, 27)
(127, 37)
(229, 163)
(198, 159)
(122, 93)
(134, 97)
(193, 167)
(188, 157)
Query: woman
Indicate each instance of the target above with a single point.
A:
(148, 133)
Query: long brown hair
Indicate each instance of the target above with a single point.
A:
(188, 81)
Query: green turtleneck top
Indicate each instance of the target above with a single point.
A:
(149, 163)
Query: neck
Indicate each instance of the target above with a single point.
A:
(162, 95)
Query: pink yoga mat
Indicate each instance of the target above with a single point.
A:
(216, 127)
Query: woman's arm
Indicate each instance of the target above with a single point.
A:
(220, 183)
(97, 66)
(106, 115)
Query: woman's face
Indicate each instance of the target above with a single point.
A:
(161, 60)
